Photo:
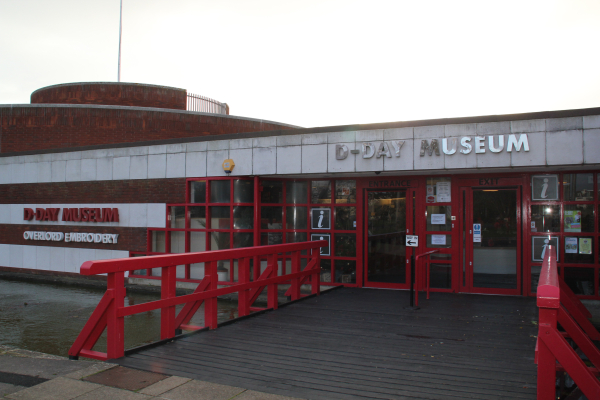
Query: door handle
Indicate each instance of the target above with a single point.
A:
(470, 231)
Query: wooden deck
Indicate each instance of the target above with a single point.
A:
(364, 344)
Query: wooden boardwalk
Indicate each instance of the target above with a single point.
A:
(364, 344)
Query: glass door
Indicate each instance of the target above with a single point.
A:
(491, 240)
(387, 224)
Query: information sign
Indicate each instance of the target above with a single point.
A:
(476, 233)
(412, 241)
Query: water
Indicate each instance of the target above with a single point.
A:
(48, 317)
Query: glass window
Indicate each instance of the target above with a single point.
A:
(219, 218)
(243, 239)
(197, 241)
(197, 217)
(439, 218)
(439, 241)
(270, 238)
(345, 271)
(345, 191)
(243, 217)
(579, 218)
(296, 237)
(296, 217)
(325, 270)
(158, 241)
(296, 192)
(345, 218)
(579, 250)
(219, 240)
(243, 191)
(177, 217)
(320, 192)
(178, 242)
(545, 218)
(345, 244)
(271, 217)
(440, 275)
(438, 190)
(197, 192)
(580, 280)
(578, 187)
(220, 191)
(272, 192)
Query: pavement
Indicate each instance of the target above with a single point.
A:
(28, 375)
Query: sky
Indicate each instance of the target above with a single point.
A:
(315, 63)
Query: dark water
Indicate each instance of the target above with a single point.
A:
(48, 317)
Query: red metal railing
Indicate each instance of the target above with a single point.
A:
(558, 305)
(420, 272)
(111, 311)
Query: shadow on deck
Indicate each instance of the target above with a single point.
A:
(364, 344)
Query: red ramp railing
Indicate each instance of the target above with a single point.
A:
(558, 306)
(111, 310)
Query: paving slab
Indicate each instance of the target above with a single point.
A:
(55, 389)
(91, 370)
(110, 393)
(48, 368)
(198, 390)
(126, 378)
(7, 388)
(164, 386)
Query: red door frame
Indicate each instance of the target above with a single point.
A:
(376, 184)
(466, 187)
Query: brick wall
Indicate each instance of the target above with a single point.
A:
(107, 93)
(129, 191)
(30, 128)
(130, 239)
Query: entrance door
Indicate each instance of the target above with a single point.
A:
(387, 224)
(491, 227)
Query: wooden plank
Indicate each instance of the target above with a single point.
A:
(360, 343)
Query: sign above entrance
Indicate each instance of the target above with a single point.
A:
(412, 241)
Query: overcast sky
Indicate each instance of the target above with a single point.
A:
(316, 63)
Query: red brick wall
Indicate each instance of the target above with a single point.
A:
(107, 93)
(130, 239)
(129, 191)
(30, 128)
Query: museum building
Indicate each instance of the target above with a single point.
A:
(94, 171)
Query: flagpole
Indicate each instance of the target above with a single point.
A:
(120, 24)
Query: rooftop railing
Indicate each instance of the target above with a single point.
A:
(198, 103)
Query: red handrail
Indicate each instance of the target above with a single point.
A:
(558, 305)
(110, 312)
(427, 274)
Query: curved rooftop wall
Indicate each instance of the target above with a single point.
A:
(43, 127)
(112, 93)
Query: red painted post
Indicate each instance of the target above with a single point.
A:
(167, 291)
(315, 279)
(115, 329)
(210, 304)
(272, 262)
(546, 377)
(295, 292)
(548, 302)
(428, 266)
(244, 295)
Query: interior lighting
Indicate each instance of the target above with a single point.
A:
(548, 210)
